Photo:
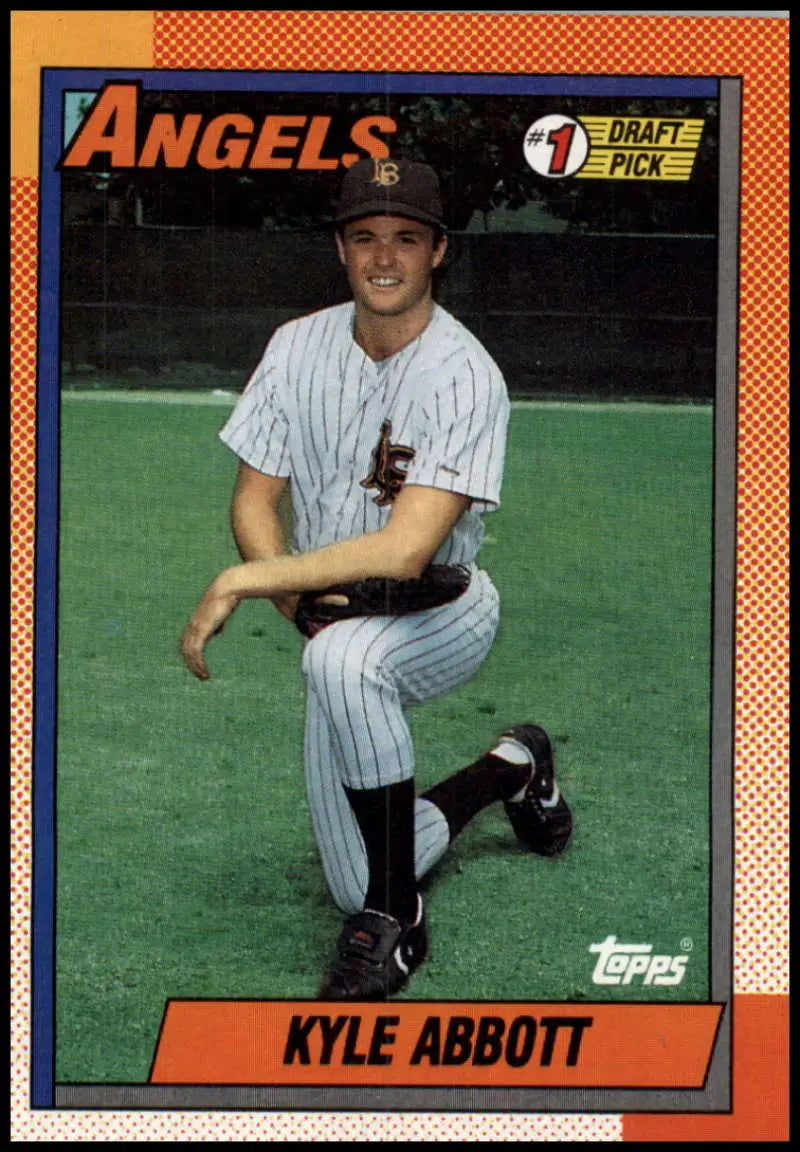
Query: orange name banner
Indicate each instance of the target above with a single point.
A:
(449, 1044)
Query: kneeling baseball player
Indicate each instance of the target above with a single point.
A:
(388, 420)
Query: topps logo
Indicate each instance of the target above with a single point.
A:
(623, 963)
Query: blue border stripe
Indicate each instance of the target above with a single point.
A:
(45, 615)
(385, 82)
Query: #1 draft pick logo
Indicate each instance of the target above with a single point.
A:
(556, 146)
(613, 147)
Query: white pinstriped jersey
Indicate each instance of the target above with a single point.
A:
(348, 431)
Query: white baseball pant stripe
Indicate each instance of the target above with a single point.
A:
(361, 675)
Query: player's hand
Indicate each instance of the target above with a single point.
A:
(207, 620)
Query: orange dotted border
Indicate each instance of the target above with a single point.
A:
(24, 215)
(24, 261)
(753, 47)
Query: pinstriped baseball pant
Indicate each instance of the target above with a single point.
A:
(361, 675)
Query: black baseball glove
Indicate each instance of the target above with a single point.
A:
(382, 596)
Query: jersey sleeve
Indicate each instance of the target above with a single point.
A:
(257, 429)
(463, 435)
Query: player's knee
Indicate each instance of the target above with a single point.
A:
(338, 660)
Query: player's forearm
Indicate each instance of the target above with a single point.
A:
(374, 554)
(259, 522)
(261, 538)
(257, 530)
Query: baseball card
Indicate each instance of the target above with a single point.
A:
(399, 576)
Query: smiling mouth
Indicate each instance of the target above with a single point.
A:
(384, 281)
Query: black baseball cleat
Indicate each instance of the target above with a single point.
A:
(542, 819)
(376, 954)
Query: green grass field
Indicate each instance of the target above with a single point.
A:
(186, 866)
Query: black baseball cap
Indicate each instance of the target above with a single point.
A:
(400, 187)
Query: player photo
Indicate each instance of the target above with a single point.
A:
(387, 684)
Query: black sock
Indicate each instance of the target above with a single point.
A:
(463, 795)
(386, 819)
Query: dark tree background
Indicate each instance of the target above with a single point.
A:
(474, 142)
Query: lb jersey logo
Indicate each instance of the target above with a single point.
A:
(388, 467)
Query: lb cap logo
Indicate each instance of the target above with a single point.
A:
(385, 172)
(399, 187)
(388, 467)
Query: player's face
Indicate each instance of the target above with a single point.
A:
(389, 261)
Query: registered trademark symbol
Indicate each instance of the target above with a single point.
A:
(687, 944)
